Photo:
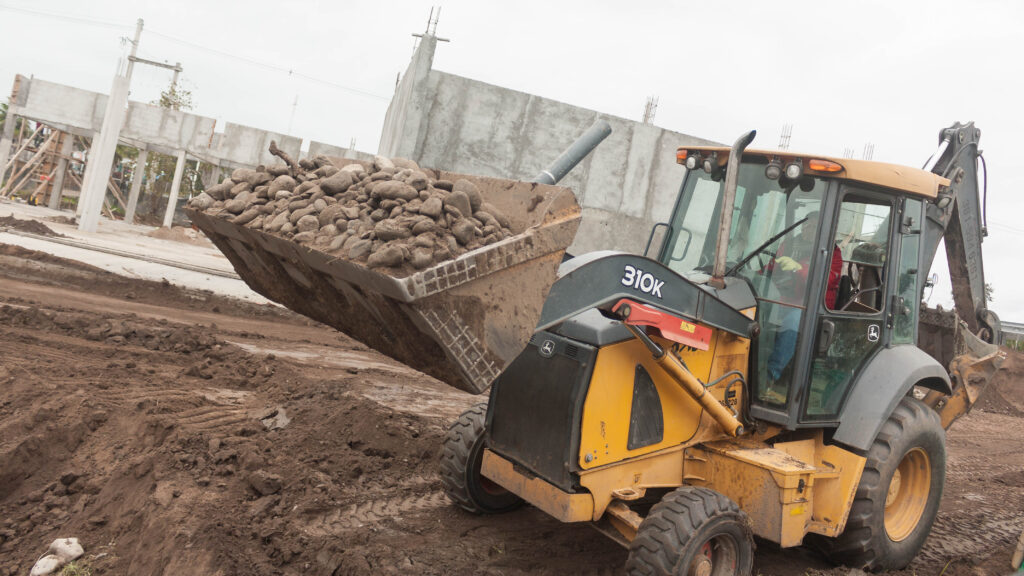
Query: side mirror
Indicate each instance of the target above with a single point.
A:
(825, 336)
(656, 239)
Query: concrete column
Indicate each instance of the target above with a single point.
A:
(406, 117)
(172, 201)
(7, 140)
(138, 175)
(66, 148)
(101, 156)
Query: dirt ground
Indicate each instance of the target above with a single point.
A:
(177, 432)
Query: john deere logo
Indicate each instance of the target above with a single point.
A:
(873, 333)
(547, 349)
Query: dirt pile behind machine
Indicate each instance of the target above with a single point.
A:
(444, 272)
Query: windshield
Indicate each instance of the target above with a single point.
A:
(768, 215)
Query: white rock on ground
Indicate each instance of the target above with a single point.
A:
(46, 565)
(60, 552)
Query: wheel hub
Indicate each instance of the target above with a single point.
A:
(703, 567)
(907, 495)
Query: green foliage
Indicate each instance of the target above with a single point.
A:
(21, 125)
(76, 569)
(175, 98)
(988, 292)
(159, 169)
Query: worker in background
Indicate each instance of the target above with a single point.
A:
(789, 270)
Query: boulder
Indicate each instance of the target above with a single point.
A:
(386, 257)
(337, 183)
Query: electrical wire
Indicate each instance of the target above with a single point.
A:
(67, 17)
(276, 68)
(289, 71)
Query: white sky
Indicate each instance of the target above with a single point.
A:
(843, 73)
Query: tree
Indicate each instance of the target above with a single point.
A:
(159, 169)
(988, 292)
(3, 119)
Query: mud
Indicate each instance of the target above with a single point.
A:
(31, 226)
(149, 427)
(180, 234)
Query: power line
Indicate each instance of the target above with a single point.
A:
(121, 26)
(67, 17)
(274, 67)
(1005, 227)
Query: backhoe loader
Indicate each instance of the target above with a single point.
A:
(768, 371)
(765, 369)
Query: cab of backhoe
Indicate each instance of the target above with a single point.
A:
(834, 265)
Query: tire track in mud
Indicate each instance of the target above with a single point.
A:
(376, 510)
(969, 535)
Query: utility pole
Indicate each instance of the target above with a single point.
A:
(135, 47)
(650, 109)
(291, 119)
(104, 144)
(787, 134)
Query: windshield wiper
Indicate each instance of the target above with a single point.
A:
(767, 243)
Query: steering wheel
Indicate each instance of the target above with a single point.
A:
(857, 294)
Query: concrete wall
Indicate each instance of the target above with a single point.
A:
(625, 186)
(146, 126)
(316, 148)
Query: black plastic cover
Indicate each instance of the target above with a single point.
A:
(536, 407)
(646, 423)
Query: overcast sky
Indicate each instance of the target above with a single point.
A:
(843, 74)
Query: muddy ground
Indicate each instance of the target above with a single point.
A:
(177, 432)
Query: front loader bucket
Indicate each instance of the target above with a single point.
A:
(461, 321)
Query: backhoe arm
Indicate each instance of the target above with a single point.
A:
(957, 216)
(966, 342)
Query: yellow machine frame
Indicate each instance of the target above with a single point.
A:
(788, 489)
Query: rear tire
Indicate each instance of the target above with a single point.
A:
(693, 532)
(889, 521)
(461, 456)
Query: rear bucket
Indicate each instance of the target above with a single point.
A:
(461, 321)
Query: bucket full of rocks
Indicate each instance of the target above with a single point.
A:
(444, 272)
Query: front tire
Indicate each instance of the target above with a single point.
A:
(693, 532)
(899, 492)
(461, 457)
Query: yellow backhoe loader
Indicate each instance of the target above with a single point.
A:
(765, 369)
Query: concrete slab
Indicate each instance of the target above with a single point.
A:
(140, 250)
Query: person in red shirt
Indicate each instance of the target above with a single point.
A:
(789, 271)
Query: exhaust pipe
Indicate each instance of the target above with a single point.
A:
(732, 172)
(574, 153)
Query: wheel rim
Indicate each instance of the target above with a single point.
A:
(717, 557)
(908, 494)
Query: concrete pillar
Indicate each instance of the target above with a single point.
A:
(101, 156)
(172, 201)
(406, 117)
(7, 140)
(66, 148)
(138, 175)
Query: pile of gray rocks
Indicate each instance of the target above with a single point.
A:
(389, 215)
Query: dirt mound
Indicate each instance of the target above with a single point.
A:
(129, 329)
(31, 226)
(62, 220)
(23, 264)
(191, 454)
(180, 234)
(1005, 394)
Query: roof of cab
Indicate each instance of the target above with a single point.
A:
(895, 176)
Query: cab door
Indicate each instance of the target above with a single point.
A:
(853, 315)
